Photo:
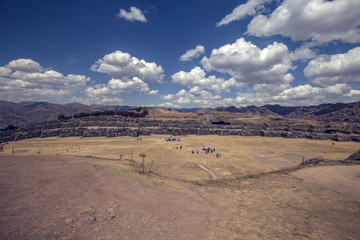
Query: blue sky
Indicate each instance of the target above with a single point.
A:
(180, 53)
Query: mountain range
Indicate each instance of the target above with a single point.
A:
(28, 112)
(339, 112)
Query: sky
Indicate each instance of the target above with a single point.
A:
(180, 54)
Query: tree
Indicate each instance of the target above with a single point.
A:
(9, 127)
(62, 117)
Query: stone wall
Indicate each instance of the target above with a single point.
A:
(114, 127)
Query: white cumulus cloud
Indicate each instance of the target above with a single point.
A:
(331, 69)
(153, 92)
(197, 78)
(303, 53)
(4, 71)
(295, 96)
(168, 97)
(353, 93)
(317, 20)
(300, 93)
(26, 80)
(116, 87)
(193, 53)
(247, 63)
(111, 92)
(250, 8)
(310, 95)
(120, 65)
(24, 65)
(194, 97)
(134, 14)
(128, 74)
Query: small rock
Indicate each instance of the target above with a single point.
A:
(108, 218)
(91, 211)
(92, 219)
(69, 220)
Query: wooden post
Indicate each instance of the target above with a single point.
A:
(142, 166)
(151, 166)
(131, 156)
(12, 151)
(303, 163)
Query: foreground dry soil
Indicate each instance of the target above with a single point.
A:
(80, 189)
(45, 198)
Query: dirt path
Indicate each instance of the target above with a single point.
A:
(53, 198)
(213, 176)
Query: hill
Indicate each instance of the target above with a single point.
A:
(339, 112)
(23, 113)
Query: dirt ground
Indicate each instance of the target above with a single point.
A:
(56, 199)
(80, 189)
(344, 179)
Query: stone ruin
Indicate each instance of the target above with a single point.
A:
(317, 161)
(320, 161)
(354, 157)
(105, 126)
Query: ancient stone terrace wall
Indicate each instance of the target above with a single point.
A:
(113, 127)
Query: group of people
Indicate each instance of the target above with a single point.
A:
(207, 151)
(170, 139)
(173, 147)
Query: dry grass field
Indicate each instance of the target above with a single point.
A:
(240, 156)
(73, 178)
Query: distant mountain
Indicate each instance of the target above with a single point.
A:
(250, 110)
(258, 111)
(186, 110)
(112, 108)
(27, 112)
(342, 112)
(325, 112)
(231, 109)
(280, 109)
